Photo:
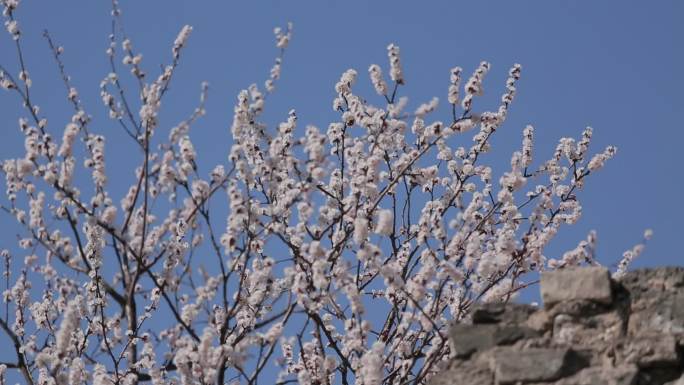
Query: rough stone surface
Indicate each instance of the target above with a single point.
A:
(468, 339)
(531, 365)
(621, 375)
(597, 329)
(499, 312)
(658, 306)
(593, 330)
(465, 372)
(679, 381)
(588, 284)
(653, 350)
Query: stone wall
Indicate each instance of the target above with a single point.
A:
(592, 330)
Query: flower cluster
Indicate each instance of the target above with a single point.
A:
(344, 255)
(180, 41)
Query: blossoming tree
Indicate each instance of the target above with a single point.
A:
(346, 251)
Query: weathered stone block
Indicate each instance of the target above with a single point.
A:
(511, 366)
(499, 312)
(597, 330)
(644, 283)
(578, 307)
(622, 375)
(540, 321)
(653, 350)
(664, 314)
(576, 283)
(465, 372)
(656, 299)
(467, 339)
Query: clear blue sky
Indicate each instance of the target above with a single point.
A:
(617, 66)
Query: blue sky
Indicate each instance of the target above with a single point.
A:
(616, 66)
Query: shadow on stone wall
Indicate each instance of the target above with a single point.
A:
(592, 330)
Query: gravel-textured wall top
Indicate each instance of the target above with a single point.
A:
(592, 330)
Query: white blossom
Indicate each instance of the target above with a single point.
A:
(360, 229)
(396, 73)
(376, 78)
(455, 80)
(599, 160)
(372, 369)
(181, 39)
(385, 222)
